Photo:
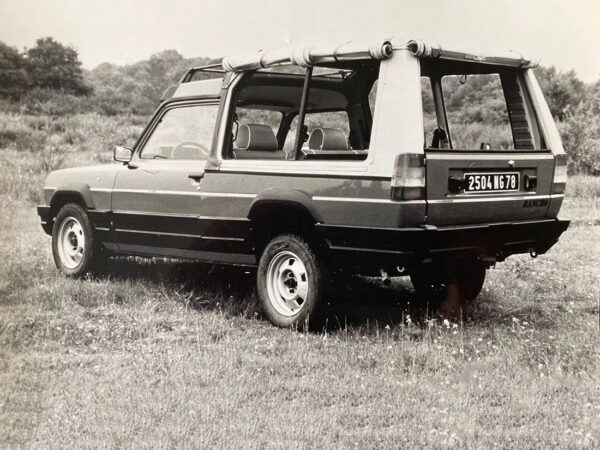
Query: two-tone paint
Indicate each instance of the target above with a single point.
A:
(205, 209)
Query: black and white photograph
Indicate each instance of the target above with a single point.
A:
(301, 224)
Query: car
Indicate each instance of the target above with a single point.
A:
(386, 158)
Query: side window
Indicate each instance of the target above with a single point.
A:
(429, 116)
(372, 96)
(260, 109)
(334, 120)
(262, 116)
(183, 133)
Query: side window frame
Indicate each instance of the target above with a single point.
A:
(228, 102)
(160, 113)
(440, 107)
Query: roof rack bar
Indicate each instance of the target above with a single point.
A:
(341, 73)
(338, 72)
(211, 68)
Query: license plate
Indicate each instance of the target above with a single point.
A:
(492, 182)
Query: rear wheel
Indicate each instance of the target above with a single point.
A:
(449, 289)
(292, 282)
(74, 247)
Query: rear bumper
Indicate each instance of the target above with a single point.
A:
(492, 242)
(44, 213)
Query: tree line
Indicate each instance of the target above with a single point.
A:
(51, 68)
(49, 79)
(47, 65)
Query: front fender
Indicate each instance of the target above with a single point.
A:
(80, 189)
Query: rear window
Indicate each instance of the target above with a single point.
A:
(478, 111)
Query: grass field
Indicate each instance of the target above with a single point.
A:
(158, 354)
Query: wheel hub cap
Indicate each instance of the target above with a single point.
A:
(71, 242)
(287, 283)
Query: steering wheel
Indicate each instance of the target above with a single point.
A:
(205, 151)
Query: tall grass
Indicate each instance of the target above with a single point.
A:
(164, 354)
(158, 354)
(31, 146)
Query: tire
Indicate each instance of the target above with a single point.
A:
(292, 283)
(447, 289)
(74, 247)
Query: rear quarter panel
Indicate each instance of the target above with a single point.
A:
(345, 200)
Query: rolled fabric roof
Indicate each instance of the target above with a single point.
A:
(309, 56)
(424, 49)
(353, 51)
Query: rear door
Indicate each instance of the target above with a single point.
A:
(488, 163)
(505, 187)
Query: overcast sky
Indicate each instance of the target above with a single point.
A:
(565, 33)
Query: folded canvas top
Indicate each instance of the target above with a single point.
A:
(308, 56)
(353, 51)
(425, 49)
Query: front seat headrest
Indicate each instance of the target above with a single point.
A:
(327, 139)
(255, 136)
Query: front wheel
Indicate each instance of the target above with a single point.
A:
(74, 248)
(292, 282)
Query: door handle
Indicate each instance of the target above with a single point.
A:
(196, 176)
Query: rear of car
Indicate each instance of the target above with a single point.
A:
(493, 170)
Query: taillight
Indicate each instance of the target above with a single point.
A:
(560, 173)
(408, 181)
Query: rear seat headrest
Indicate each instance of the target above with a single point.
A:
(327, 139)
(255, 136)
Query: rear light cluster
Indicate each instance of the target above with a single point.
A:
(408, 180)
(560, 173)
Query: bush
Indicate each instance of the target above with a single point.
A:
(18, 134)
(53, 103)
(581, 138)
(563, 90)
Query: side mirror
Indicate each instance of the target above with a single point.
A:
(122, 154)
